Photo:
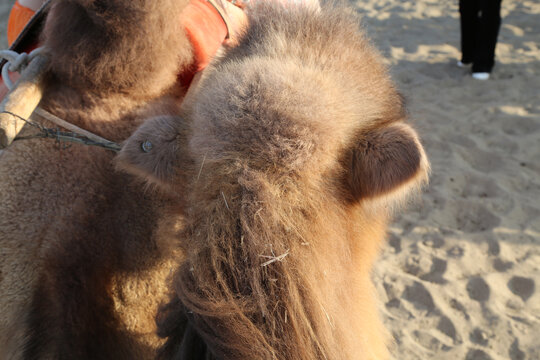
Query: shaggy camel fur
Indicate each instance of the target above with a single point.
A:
(84, 249)
(294, 153)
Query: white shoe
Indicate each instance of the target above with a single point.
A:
(480, 75)
(462, 64)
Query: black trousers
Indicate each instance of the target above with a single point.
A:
(480, 23)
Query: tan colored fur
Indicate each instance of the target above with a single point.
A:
(299, 149)
(278, 244)
(85, 251)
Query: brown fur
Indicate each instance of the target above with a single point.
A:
(296, 138)
(137, 47)
(85, 250)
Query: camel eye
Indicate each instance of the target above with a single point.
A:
(147, 146)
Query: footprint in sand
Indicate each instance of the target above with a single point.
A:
(425, 267)
(522, 287)
(477, 354)
(474, 217)
(447, 327)
(515, 352)
(419, 296)
(395, 306)
(444, 340)
(478, 289)
(433, 241)
(436, 272)
(494, 248)
(479, 336)
(428, 341)
(456, 305)
(501, 265)
(394, 242)
(423, 306)
(428, 268)
(417, 265)
(456, 252)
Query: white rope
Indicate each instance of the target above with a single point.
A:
(16, 62)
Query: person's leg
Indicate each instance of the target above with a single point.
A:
(468, 10)
(486, 39)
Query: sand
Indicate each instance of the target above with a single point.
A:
(459, 277)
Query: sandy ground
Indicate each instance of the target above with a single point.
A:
(459, 277)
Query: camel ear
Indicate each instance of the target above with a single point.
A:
(385, 161)
(152, 152)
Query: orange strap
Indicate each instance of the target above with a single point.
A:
(18, 18)
(206, 31)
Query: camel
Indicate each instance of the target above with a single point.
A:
(86, 250)
(291, 158)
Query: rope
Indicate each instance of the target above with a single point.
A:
(16, 62)
(63, 136)
(95, 139)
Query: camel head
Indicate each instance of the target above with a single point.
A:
(291, 158)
